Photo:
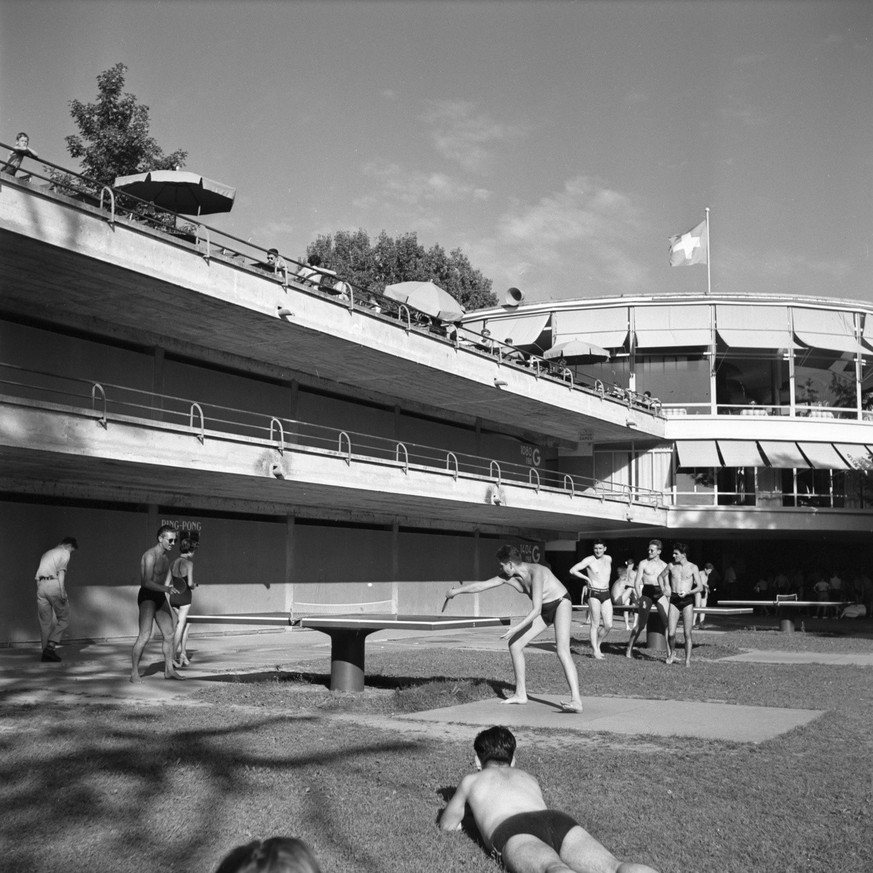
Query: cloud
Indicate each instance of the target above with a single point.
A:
(415, 187)
(579, 241)
(462, 135)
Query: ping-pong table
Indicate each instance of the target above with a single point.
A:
(348, 634)
(786, 623)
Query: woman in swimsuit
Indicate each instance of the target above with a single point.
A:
(182, 571)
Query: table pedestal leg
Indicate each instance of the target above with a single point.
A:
(656, 633)
(347, 659)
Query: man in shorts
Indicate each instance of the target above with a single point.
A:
(52, 603)
(596, 571)
(648, 591)
(154, 605)
(680, 581)
(512, 817)
(550, 604)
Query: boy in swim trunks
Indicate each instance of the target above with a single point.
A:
(680, 581)
(550, 604)
(509, 810)
(153, 604)
(597, 576)
(648, 591)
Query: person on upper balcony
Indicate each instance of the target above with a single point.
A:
(20, 151)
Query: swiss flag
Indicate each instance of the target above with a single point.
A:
(690, 247)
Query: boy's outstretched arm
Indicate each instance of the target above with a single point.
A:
(453, 814)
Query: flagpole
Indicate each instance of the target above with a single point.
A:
(708, 257)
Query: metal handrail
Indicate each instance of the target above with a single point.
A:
(107, 190)
(569, 478)
(206, 232)
(264, 427)
(278, 424)
(95, 387)
(405, 456)
(348, 457)
(202, 435)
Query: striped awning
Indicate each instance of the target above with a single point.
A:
(672, 327)
(697, 453)
(783, 454)
(741, 453)
(823, 456)
(857, 456)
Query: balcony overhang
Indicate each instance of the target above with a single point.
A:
(58, 451)
(66, 264)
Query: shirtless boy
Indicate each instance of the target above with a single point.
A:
(155, 585)
(596, 570)
(550, 604)
(648, 591)
(680, 581)
(509, 810)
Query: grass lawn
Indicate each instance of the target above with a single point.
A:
(172, 788)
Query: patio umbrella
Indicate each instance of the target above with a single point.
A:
(179, 191)
(577, 351)
(424, 296)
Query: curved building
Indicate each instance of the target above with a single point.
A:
(331, 448)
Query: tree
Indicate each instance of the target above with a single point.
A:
(402, 259)
(113, 138)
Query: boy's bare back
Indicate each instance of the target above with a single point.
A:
(495, 793)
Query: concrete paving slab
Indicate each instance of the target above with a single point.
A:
(666, 718)
(849, 659)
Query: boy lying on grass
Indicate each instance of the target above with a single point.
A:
(512, 817)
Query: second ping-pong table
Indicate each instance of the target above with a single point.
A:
(348, 634)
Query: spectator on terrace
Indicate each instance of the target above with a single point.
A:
(20, 151)
(311, 273)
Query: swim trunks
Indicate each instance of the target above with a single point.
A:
(601, 594)
(180, 583)
(157, 597)
(680, 601)
(549, 825)
(549, 610)
(653, 592)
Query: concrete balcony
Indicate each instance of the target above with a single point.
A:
(68, 263)
(58, 450)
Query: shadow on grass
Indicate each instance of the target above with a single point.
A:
(111, 793)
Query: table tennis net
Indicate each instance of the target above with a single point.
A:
(300, 609)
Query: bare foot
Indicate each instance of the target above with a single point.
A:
(516, 698)
(136, 678)
(172, 674)
(598, 655)
(670, 659)
(688, 663)
(571, 706)
(629, 654)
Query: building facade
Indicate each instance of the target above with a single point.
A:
(328, 451)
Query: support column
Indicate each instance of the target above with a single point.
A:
(395, 565)
(290, 543)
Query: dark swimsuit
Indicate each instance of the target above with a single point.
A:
(548, 825)
(180, 583)
(653, 592)
(680, 601)
(159, 598)
(549, 610)
(601, 594)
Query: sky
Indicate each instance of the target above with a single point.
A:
(558, 144)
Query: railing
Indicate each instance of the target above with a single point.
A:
(108, 403)
(212, 243)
